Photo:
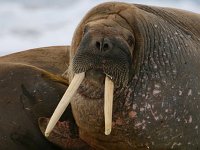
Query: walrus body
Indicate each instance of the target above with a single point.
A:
(31, 86)
(158, 51)
(27, 94)
(152, 56)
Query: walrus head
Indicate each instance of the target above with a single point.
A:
(102, 51)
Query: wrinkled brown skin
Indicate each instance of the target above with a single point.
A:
(158, 109)
(31, 86)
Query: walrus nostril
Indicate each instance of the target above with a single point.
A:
(98, 45)
(105, 46)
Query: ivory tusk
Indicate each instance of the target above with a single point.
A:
(108, 104)
(64, 102)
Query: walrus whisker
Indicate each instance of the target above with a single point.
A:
(108, 104)
(64, 102)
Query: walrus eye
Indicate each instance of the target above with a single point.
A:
(130, 41)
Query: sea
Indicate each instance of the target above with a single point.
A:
(27, 24)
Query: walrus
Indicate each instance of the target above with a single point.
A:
(31, 85)
(148, 60)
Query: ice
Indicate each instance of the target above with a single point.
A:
(29, 24)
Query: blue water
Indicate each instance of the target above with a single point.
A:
(26, 24)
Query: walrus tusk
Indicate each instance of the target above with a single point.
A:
(108, 104)
(64, 102)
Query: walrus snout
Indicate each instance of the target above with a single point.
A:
(111, 53)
